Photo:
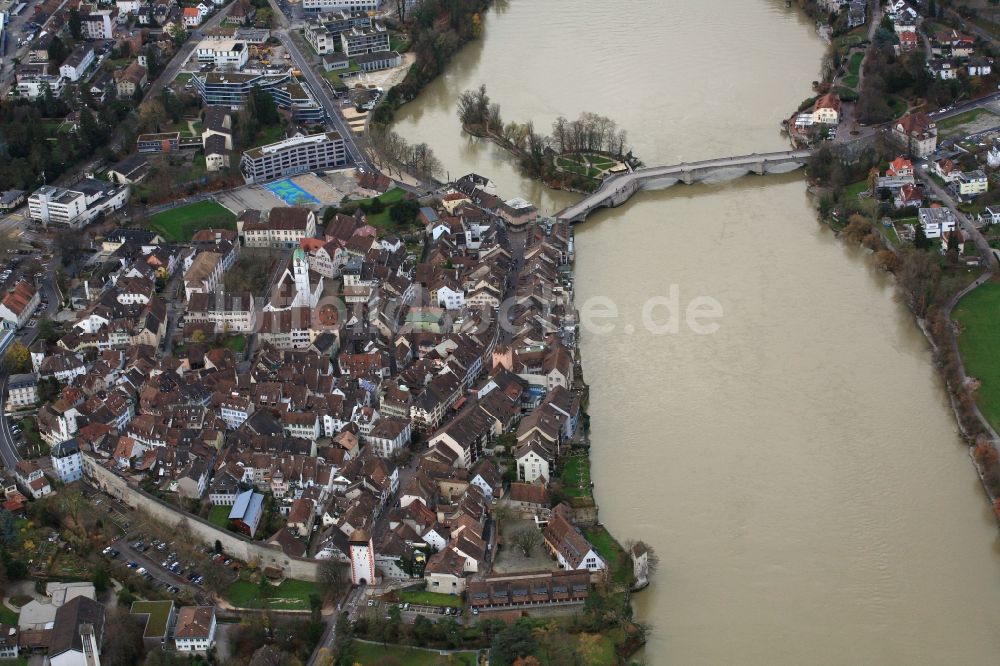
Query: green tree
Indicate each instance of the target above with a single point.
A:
(343, 642)
(47, 330)
(75, 25)
(512, 643)
(18, 358)
(423, 630)
(315, 607)
(8, 529)
(101, 579)
(920, 240)
(261, 107)
(57, 53)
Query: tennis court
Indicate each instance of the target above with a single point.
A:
(290, 193)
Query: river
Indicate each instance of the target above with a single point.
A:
(798, 471)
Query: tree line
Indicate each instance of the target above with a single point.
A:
(393, 152)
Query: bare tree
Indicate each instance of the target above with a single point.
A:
(526, 540)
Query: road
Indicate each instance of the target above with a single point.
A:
(321, 91)
(350, 605)
(173, 67)
(964, 221)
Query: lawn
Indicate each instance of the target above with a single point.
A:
(577, 164)
(854, 189)
(179, 224)
(853, 75)
(219, 516)
(979, 315)
(159, 613)
(290, 595)
(425, 598)
(375, 653)
(183, 77)
(235, 342)
(19, 661)
(7, 616)
(616, 558)
(382, 220)
(575, 477)
(956, 121)
(267, 135)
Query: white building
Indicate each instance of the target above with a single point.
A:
(227, 54)
(22, 391)
(292, 156)
(230, 313)
(334, 5)
(77, 207)
(389, 436)
(195, 630)
(77, 62)
(936, 222)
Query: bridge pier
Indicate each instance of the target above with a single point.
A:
(760, 168)
(687, 177)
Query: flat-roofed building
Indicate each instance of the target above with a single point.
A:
(226, 54)
(292, 156)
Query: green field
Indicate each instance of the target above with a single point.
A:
(290, 595)
(854, 189)
(979, 315)
(575, 477)
(425, 598)
(853, 75)
(219, 516)
(179, 224)
(159, 613)
(374, 653)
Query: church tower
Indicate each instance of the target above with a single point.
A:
(300, 273)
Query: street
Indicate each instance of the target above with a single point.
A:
(331, 106)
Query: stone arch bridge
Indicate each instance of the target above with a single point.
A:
(618, 189)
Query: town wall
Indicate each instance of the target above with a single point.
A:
(261, 554)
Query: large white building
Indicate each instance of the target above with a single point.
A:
(77, 62)
(226, 54)
(77, 207)
(292, 156)
(358, 41)
(333, 5)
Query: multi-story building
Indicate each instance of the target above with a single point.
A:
(36, 85)
(971, 183)
(18, 305)
(314, 6)
(231, 89)
(357, 41)
(227, 54)
(77, 62)
(204, 275)
(284, 227)
(231, 313)
(22, 391)
(319, 37)
(936, 222)
(67, 461)
(75, 208)
(195, 630)
(292, 156)
(100, 24)
(916, 133)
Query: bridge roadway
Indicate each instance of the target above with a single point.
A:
(619, 188)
